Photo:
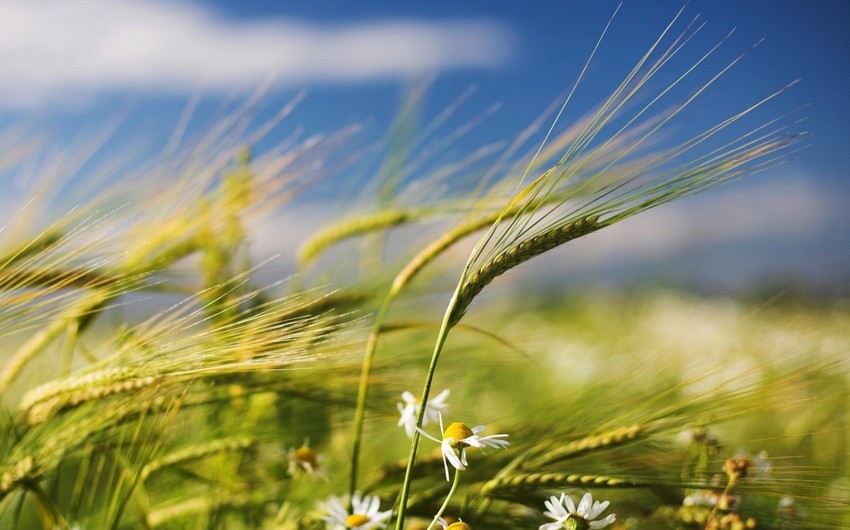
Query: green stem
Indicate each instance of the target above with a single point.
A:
(446, 502)
(445, 327)
(371, 346)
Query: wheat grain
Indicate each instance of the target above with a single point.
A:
(516, 255)
(590, 443)
(529, 481)
(349, 228)
(196, 452)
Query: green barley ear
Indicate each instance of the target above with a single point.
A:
(196, 452)
(523, 482)
(516, 255)
(321, 241)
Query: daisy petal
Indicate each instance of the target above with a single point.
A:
(602, 523)
(584, 506)
(450, 454)
(598, 508)
(568, 502)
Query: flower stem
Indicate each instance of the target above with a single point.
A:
(445, 327)
(446, 502)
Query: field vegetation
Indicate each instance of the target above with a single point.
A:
(152, 376)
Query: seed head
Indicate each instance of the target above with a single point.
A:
(737, 468)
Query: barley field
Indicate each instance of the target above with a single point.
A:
(398, 372)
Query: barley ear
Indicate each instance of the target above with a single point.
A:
(517, 255)
(513, 484)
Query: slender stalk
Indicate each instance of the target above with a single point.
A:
(363, 388)
(455, 482)
(445, 327)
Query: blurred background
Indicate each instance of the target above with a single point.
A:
(140, 77)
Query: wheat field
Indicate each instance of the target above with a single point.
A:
(156, 374)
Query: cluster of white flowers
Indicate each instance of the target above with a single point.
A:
(365, 513)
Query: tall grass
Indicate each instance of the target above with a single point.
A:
(150, 379)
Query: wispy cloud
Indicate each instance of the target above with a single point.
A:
(63, 50)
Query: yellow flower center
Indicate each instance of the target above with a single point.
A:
(460, 525)
(306, 455)
(457, 431)
(355, 520)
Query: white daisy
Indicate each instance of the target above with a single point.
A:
(365, 513)
(458, 437)
(457, 525)
(409, 410)
(306, 460)
(568, 517)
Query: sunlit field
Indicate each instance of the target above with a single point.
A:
(392, 358)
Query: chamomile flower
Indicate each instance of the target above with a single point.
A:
(304, 460)
(457, 525)
(457, 437)
(365, 513)
(568, 517)
(409, 410)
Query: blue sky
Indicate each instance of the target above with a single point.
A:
(71, 65)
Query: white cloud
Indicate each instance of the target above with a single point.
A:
(67, 49)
